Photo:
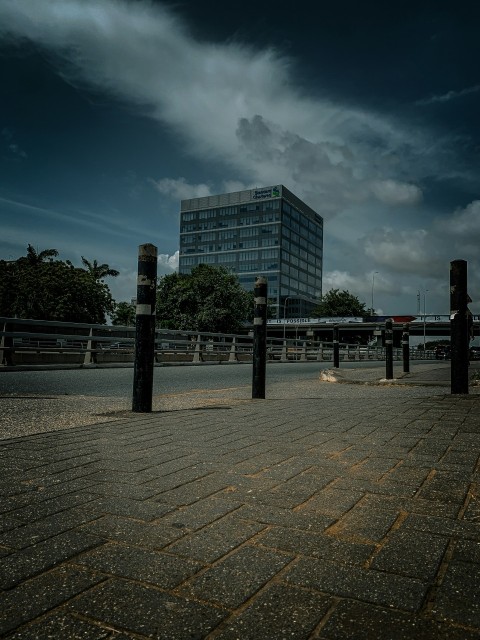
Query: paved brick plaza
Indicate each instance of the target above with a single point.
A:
(351, 515)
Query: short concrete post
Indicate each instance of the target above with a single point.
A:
(320, 352)
(303, 355)
(6, 356)
(197, 356)
(284, 357)
(232, 356)
(90, 357)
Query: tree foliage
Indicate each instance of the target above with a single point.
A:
(124, 314)
(208, 299)
(99, 271)
(39, 287)
(336, 303)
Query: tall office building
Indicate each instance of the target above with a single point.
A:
(268, 232)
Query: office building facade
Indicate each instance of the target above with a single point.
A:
(268, 232)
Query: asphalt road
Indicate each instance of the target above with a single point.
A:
(117, 382)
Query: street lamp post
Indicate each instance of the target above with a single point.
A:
(424, 320)
(284, 314)
(373, 286)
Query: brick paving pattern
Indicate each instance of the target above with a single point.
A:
(337, 518)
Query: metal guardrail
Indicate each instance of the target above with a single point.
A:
(41, 342)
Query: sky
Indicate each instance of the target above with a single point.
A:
(112, 111)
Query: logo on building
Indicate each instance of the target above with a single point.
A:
(260, 194)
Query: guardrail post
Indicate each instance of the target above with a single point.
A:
(197, 356)
(459, 328)
(145, 328)
(90, 357)
(6, 355)
(303, 355)
(406, 348)
(389, 349)
(336, 347)
(232, 356)
(284, 356)
(259, 338)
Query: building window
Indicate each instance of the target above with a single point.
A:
(246, 244)
(247, 255)
(225, 235)
(269, 242)
(248, 232)
(226, 257)
(269, 253)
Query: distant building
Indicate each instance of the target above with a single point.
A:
(267, 231)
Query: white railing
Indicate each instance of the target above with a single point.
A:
(42, 342)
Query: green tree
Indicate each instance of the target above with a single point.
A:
(208, 299)
(124, 314)
(99, 271)
(336, 303)
(34, 258)
(32, 287)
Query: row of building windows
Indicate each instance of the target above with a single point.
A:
(248, 232)
(302, 247)
(228, 246)
(225, 223)
(291, 264)
(240, 256)
(266, 206)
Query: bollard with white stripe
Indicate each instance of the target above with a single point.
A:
(389, 349)
(459, 326)
(336, 347)
(406, 348)
(145, 329)
(259, 338)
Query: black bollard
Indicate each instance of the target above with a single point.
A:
(389, 349)
(336, 347)
(259, 338)
(406, 348)
(145, 329)
(459, 327)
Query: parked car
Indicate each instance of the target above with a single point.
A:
(474, 353)
(443, 352)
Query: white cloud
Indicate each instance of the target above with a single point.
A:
(166, 263)
(343, 280)
(180, 189)
(465, 223)
(396, 193)
(404, 251)
(450, 95)
(240, 107)
(228, 102)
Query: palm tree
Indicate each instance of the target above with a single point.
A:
(34, 258)
(99, 271)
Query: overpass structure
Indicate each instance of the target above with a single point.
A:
(355, 329)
